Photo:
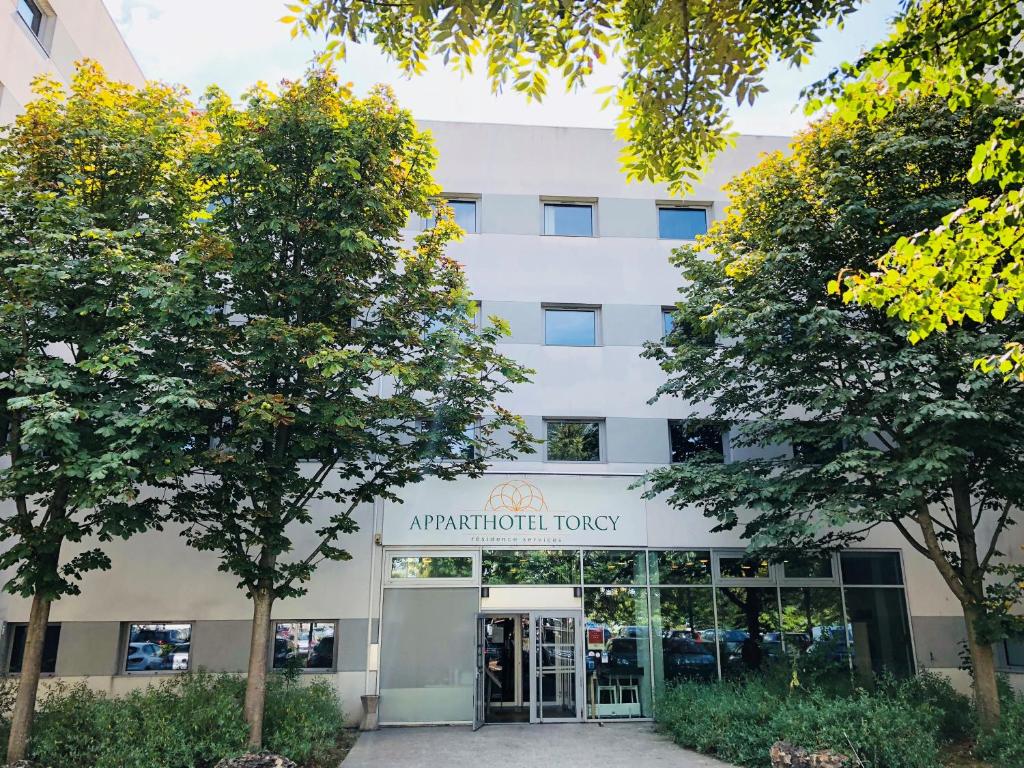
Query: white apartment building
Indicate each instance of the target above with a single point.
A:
(548, 589)
(38, 36)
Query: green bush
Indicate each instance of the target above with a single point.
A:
(185, 721)
(740, 721)
(1005, 745)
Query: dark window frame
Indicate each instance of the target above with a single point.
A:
(699, 426)
(304, 669)
(36, 19)
(10, 632)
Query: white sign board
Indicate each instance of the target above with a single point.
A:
(519, 510)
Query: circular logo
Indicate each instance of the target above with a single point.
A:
(517, 496)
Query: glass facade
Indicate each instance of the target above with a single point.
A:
(304, 645)
(648, 618)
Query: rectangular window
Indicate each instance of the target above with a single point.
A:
(681, 567)
(426, 567)
(51, 641)
(531, 566)
(693, 437)
(31, 15)
(573, 440)
(614, 566)
(158, 648)
(741, 566)
(668, 320)
(570, 327)
(811, 568)
(879, 632)
(464, 212)
(304, 645)
(683, 635)
(1014, 648)
(677, 223)
(812, 623)
(618, 660)
(569, 219)
(871, 568)
(748, 633)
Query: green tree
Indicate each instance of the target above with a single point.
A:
(681, 62)
(340, 365)
(95, 197)
(883, 431)
(969, 266)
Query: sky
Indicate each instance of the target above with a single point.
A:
(234, 43)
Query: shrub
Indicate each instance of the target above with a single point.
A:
(185, 721)
(1005, 745)
(740, 721)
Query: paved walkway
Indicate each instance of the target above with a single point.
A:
(569, 745)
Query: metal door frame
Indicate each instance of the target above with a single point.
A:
(479, 700)
(536, 705)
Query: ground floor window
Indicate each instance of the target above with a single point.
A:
(51, 641)
(158, 647)
(306, 645)
(618, 655)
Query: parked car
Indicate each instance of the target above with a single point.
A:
(177, 659)
(143, 657)
(322, 656)
(685, 658)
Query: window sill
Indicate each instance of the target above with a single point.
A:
(152, 672)
(555, 234)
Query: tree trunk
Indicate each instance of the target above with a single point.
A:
(986, 690)
(28, 685)
(256, 684)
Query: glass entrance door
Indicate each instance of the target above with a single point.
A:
(556, 685)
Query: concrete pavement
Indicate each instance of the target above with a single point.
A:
(569, 745)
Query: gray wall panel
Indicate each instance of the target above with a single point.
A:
(630, 325)
(642, 441)
(510, 214)
(626, 217)
(89, 648)
(937, 639)
(352, 645)
(221, 646)
(525, 319)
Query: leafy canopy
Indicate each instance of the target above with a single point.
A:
(681, 62)
(96, 194)
(340, 365)
(881, 430)
(969, 266)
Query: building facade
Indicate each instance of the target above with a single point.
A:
(548, 589)
(49, 36)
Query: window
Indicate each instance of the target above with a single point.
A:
(573, 440)
(668, 320)
(1014, 649)
(742, 567)
(51, 640)
(870, 568)
(31, 15)
(809, 568)
(681, 567)
(158, 647)
(614, 566)
(566, 326)
(677, 223)
(530, 566)
(618, 660)
(427, 567)
(687, 333)
(693, 437)
(464, 212)
(569, 219)
(304, 645)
